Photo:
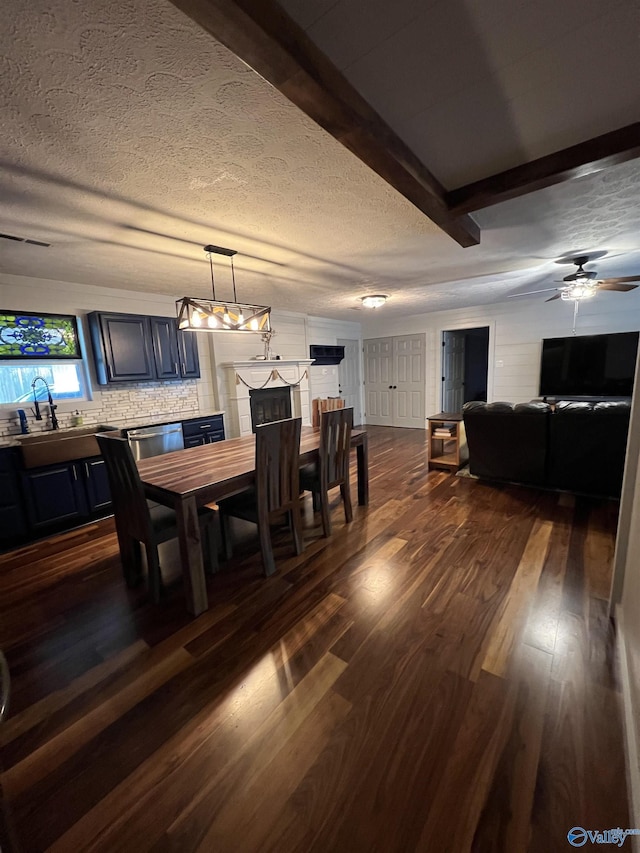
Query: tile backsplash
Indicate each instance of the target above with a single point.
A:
(128, 404)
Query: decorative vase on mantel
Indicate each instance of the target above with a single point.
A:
(266, 338)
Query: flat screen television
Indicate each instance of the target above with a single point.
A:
(589, 365)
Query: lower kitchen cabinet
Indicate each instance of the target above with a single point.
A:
(71, 491)
(13, 517)
(53, 494)
(97, 484)
(203, 430)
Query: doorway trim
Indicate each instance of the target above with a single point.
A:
(459, 327)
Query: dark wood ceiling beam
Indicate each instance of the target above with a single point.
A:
(261, 34)
(574, 162)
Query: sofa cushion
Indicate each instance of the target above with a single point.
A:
(587, 447)
(507, 442)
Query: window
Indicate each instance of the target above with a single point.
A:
(45, 345)
(66, 381)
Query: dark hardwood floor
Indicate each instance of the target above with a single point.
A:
(437, 676)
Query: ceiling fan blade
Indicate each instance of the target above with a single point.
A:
(620, 280)
(529, 292)
(557, 296)
(612, 285)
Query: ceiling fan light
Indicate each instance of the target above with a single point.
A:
(579, 291)
(375, 300)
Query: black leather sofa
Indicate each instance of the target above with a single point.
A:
(579, 447)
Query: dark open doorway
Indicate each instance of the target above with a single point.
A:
(465, 367)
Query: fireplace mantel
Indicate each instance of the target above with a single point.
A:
(259, 374)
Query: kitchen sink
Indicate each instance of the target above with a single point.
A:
(62, 445)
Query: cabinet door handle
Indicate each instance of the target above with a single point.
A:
(205, 426)
(175, 367)
(86, 470)
(75, 473)
(184, 367)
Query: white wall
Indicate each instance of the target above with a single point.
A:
(626, 590)
(516, 331)
(325, 380)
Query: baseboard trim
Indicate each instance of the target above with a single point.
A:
(632, 758)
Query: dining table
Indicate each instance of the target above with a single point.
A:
(196, 476)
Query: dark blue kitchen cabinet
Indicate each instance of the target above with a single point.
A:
(188, 355)
(13, 517)
(96, 482)
(71, 491)
(133, 348)
(164, 339)
(122, 346)
(54, 494)
(203, 430)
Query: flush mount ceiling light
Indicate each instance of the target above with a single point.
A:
(212, 315)
(374, 301)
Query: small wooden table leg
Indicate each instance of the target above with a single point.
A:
(191, 556)
(362, 451)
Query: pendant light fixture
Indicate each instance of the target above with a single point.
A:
(212, 315)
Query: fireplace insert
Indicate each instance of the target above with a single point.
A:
(268, 405)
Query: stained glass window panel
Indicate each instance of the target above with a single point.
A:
(34, 336)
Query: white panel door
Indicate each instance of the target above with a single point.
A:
(409, 383)
(395, 381)
(452, 371)
(378, 371)
(349, 374)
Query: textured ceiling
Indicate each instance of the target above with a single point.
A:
(130, 139)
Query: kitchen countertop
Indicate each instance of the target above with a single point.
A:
(134, 423)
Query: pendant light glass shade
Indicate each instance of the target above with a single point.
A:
(213, 315)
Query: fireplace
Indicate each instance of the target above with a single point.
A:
(288, 377)
(268, 405)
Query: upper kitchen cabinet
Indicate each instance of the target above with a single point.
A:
(133, 348)
(122, 347)
(165, 347)
(188, 352)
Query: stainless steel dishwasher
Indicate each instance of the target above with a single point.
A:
(155, 440)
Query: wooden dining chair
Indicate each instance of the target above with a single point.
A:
(138, 522)
(332, 467)
(276, 492)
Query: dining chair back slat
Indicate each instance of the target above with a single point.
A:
(277, 488)
(332, 468)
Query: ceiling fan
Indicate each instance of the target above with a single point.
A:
(583, 284)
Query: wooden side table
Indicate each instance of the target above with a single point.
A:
(447, 441)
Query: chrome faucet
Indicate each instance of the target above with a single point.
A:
(52, 407)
